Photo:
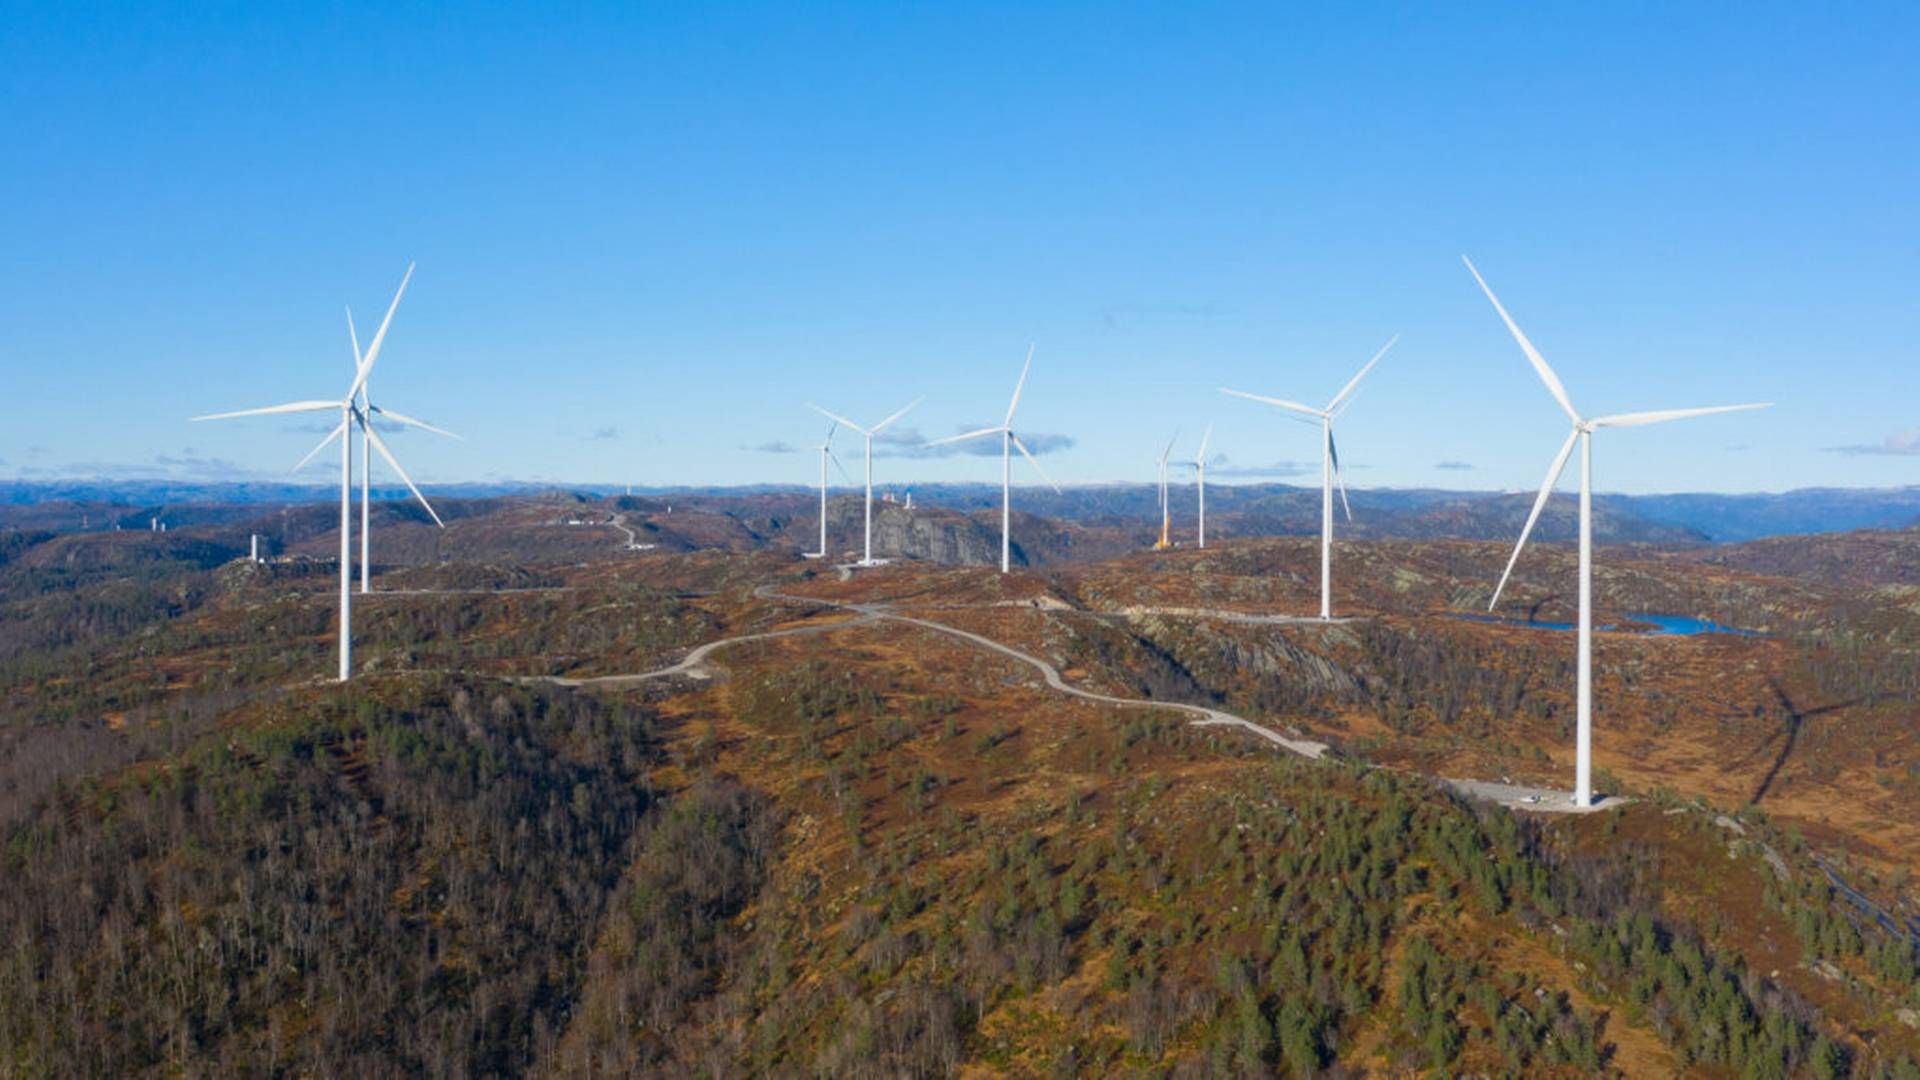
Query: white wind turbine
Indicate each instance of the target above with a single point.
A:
(866, 558)
(1582, 433)
(1008, 442)
(1329, 465)
(1166, 505)
(1199, 466)
(367, 411)
(826, 455)
(348, 405)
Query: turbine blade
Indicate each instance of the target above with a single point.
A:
(1539, 504)
(274, 410)
(841, 420)
(401, 418)
(1019, 388)
(1205, 438)
(381, 445)
(968, 435)
(1662, 416)
(1539, 362)
(1339, 478)
(1347, 390)
(379, 336)
(1293, 406)
(828, 441)
(904, 410)
(339, 430)
(1031, 460)
(1168, 452)
(354, 337)
(844, 474)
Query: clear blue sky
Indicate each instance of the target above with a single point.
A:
(647, 234)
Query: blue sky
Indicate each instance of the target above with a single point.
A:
(648, 234)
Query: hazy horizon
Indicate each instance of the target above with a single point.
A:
(393, 489)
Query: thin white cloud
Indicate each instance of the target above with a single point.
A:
(186, 465)
(910, 443)
(1899, 444)
(1272, 469)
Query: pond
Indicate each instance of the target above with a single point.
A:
(1687, 626)
(1647, 623)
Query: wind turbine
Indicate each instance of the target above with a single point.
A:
(348, 405)
(1329, 465)
(1166, 506)
(1008, 442)
(1199, 466)
(1582, 433)
(866, 558)
(826, 455)
(366, 412)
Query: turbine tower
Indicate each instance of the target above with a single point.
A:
(1582, 433)
(826, 455)
(1166, 506)
(1329, 464)
(866, 558)
(1199, 466)
(1008, 442)
(366, 412)
(349, 409)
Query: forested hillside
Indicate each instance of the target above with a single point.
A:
(874, 849)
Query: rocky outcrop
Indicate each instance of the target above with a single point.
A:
(929, 535)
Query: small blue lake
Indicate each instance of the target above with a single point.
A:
(1646, 623)
(1687, 626)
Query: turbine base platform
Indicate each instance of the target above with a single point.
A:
(1532, 800)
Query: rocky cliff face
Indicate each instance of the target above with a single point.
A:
(931, 535)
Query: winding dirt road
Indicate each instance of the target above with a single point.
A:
(693, 665)
(619, 521)
(1205, 717)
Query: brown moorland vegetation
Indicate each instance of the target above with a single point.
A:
(879, 850)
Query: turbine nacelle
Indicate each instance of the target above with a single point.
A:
(1331, 475)
(876, 429)
(1200, 456)
(354, 406)
(1582, 426)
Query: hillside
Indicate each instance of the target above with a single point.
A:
(872, 845)
(1869, 559)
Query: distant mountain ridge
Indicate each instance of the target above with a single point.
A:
(1240, 509)
(1731, 519)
